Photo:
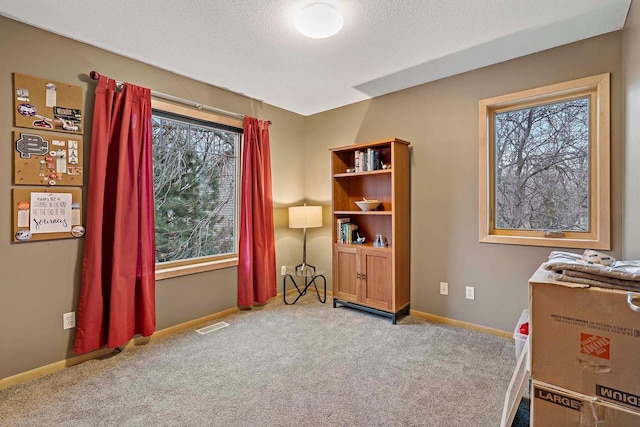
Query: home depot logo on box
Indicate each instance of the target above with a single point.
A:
(594, 345)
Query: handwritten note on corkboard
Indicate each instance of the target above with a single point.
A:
(46, 214)
(47, 105)
(47, 159)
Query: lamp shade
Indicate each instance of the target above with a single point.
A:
(305, 216)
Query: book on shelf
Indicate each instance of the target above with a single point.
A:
(348, 229)
(339, 232)
(362, 161)
(369, 160)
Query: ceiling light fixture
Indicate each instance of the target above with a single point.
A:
(319, 20)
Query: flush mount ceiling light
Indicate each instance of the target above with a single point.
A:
(319, 20)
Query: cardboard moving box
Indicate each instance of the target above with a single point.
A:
(585, 339)
(553, 406)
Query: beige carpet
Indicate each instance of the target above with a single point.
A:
(302, 365)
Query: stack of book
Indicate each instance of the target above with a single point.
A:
(345, 230)
(367, 160)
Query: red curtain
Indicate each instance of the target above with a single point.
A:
(117, 299)
(257, 253)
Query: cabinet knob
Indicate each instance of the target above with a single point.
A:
(357, 276)
(363, 276)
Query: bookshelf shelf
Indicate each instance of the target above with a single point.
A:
(368, 245)
(365, 213)
(351, 174)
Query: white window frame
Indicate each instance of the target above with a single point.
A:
(597, 89)
(170, 269)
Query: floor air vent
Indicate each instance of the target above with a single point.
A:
(211, 328)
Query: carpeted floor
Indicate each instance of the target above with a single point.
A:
(302, 365)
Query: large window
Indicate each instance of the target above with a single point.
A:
(196, 170)
(544, 166)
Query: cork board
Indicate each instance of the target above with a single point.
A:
(46, 105)
(47, 159)
(46, 214)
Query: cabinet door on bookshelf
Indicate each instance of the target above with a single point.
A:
(345, 282)
(375, 266)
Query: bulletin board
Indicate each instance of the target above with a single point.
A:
(46, 105)
(47, 159)
(46, 214)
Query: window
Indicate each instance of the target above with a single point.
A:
(544, 166)
(196, 175)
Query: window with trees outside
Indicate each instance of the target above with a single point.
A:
(196, 174)
(544, 166)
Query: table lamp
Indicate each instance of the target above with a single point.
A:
(305, 217)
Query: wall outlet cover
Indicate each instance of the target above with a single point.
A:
(69, 320)
(470, 292)
(444, 288)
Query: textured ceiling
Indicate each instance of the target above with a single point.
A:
(251, 46)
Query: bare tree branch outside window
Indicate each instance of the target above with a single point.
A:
(542, 167)
(195, 170)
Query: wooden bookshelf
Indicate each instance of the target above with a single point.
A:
(366, 277)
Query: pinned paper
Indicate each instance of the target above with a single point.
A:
(61, 161)
(75, 214)
(43, 122)
(22, 93)
(27, 110)
(50, 95)
(74, 170)
(23, 214)
(68, 119)
(29, 145)
(50, 213)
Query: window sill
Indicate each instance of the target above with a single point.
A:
(548, 242)
(183, 270)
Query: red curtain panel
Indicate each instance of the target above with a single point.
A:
(117, 298)
(257, 254)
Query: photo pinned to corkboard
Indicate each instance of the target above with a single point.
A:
(47, 159)
(46, 214)
(47, 105)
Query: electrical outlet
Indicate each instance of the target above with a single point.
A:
(444, 288)
(471, 292)
(69, 320)
(283, 270)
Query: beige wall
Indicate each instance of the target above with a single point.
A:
(631, 69)
(39, 281)
(440, 119)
